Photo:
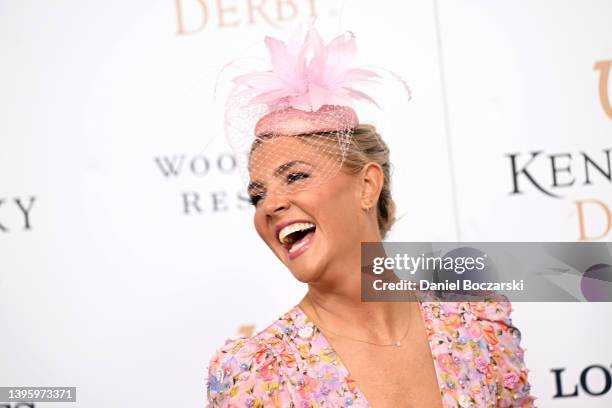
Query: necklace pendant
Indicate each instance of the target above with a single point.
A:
(398, 343)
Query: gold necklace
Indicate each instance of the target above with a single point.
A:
(397, 343)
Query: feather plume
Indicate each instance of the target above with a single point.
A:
(327, 78)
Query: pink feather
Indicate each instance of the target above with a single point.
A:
(326, 79)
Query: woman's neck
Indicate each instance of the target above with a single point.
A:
(336, 302)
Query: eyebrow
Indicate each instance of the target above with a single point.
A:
(283, 168)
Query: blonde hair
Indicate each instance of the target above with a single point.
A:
(366, 146)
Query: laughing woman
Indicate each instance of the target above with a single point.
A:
(320, 185)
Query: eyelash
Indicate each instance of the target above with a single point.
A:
(254, 199)
(291, 177)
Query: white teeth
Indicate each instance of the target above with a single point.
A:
(289, 229)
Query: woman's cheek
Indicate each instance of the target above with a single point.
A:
(260, 230)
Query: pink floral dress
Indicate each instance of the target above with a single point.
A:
(476, 352)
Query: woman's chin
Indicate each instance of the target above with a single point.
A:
(303, 258)
(306, 271)
(305, 276)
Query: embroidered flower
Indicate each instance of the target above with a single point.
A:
(511, 379)
(482, 365)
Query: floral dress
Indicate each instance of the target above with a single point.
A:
(476, 351)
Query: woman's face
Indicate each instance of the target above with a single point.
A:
(308, 217)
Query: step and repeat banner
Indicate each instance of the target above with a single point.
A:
(127, 247)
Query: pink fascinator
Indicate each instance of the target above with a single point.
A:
(309, 89)
(308, 95)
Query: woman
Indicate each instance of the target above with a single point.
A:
(315, 201)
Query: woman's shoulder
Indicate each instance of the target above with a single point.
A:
(507, 356)
(243, 348)
(272, 337)
(487, 326)
(488, 320)
(235, 366)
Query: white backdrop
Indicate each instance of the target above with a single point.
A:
(126, 244)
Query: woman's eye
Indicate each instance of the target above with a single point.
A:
(254, 198)
(296, 176)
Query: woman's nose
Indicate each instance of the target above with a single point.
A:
(275, 202)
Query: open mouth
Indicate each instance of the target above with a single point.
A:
(295, 236)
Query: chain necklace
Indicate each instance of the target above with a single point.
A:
(397, 343)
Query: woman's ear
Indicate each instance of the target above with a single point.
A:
(372, 178)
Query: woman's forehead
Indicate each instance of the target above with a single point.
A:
(273, 153)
